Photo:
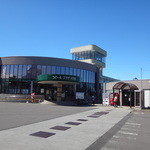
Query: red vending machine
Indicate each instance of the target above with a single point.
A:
(111, 98)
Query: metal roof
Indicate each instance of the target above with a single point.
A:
(123, 85)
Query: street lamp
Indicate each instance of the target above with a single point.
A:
(141, 86)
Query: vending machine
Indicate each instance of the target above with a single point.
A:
(111, 98)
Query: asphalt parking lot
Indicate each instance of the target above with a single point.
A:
(18, 114)
(133, 135)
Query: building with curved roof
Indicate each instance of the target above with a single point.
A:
(54, 78)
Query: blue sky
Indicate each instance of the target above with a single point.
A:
(52, 27)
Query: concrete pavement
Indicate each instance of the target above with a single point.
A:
(72, 132)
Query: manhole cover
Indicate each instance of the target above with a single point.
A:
(94, 116)
(82, 120)
(63, 128)
(43, 134)
(73, 123)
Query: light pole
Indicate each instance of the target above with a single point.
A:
(141, 86)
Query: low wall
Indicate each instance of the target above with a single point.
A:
(20, 98)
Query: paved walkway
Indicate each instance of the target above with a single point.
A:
(72, 132)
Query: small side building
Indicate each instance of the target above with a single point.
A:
(133, 93)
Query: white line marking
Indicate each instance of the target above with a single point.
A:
(129, 129)
(115, 136)
(130, 123)
(127, 133)
(112, 142)
(131, 138)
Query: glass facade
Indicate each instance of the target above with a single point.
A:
(16, 79)
(88, 55)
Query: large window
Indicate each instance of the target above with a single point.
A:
(32, 71)
(88, 55)
(17, 78)
(3, 74)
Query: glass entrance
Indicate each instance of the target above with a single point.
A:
(137, 98)
(48, 90)
(68, 92)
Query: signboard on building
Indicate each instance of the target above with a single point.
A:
(146, 98)
(79, 95)
(57, 77)
(106, 98)
(42, 90)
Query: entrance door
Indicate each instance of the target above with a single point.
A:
(137, 96)
(69, 92)
(127, 99)
(50, 92)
